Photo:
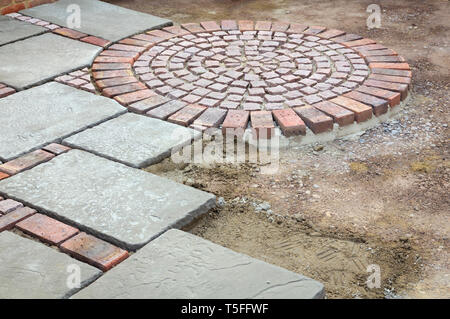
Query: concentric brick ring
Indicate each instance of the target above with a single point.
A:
(269, 73)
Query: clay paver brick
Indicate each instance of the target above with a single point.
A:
(122, 89)
(128, 48)
(187, 115)
(229, 25)
(94, 251)
(347, 37)
(5, 91)
(362, 111)
(131, 54)
(289, 122)
(3, 175)
(317, 121)
(161, 34)
(263, 25)
(8, 221)
(70, 33)
(389, 58)
(165, 110)
(386, 65)
(56, 149)
(397, 87)
(235, 119)
(132, 97)
(210, 26)
(278, 26)
(115, 81)
(392, 97)
(296, 28)
(148, 104)
(331, 33)
(113, 59)
(96, 41)
(176, 30)
(193, 27)
(47, 229)
(8, 205)
(262, 123)
(245, 25)
(379, 106)
(339, 114)
(212, 117)
(390, 78)
(100, 75)
(359, 42)
(392, 72)
(110, 66)
(136, 42)
(25, 162)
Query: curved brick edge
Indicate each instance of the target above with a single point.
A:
(387, 83)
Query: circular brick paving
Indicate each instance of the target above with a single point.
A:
(265, 73)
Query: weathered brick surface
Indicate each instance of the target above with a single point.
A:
(96, 41)
(392, 97)
(187, 115)
(211, 117)
(8, 205)
(165, 110)
(386, 65)
(235, 119)
(378, 105)
(115, 81)
(362, 111)
(210, 26)
(9, 220)
(263, 25)
(5, 91)
(70, 33)
(339, 114)
(3, 175)
(56, 149)
(26, 162)
(262, 123)
(129, 98)
(122, 89)
(289, 122)
(317, 121)
(47, 229)
(94, 251)
(148, 103)
(397, 87)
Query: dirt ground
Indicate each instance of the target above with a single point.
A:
(334, 208)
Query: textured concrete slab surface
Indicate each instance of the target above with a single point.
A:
(181, 265)
(48, 113)
(41, 58)
(98, 18)
(32, 270)
(13, 30)
(126, 206)
(132, 139)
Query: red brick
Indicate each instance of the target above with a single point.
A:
(113, 59)
(406, 73)
(359, 42)
(8, 221)
(379, 106)
(397, 87)
(126, 47)
(177, 30)
(331, 33)
(122, 89)
(134, 96)
(340, 115)
(393, 66)
(263, 25)
(130, 54)
(56, 149)
(110, 66)
(115, 81)
(161, 34)
(94, 251)
(3, 175)
(96, 41)
(212, 117)
(4, 92)
(47, 229)
(390, 78)
(262, 124)
(111, 74)
(8, 205)
(165, 110)
(26, 162)
(278, 26)
(347, 37)
(392, 97)
(317, 121)
(70, 33)
(374, 53)
(150, 103)
(246, 25)
(313, 30)
(235, 119)
(370, 47)
(210, 26)
(13, 8)
(362, 111)
(387, 58)
(193, 27)
(77, 82)
(289, 122)
(136, 42)
(228, 25)
(296, 28)
(148, 38)
(187, 115)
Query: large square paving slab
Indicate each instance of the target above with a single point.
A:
(181, 265)
(98, 18)
(33, 118)
(29, 269)
(12, 30)
(38, 59)
(124, 205)
(133, 139)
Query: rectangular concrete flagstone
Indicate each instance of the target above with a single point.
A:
(31, 270)
(134, 140)
(13, 30)
(181, 265)
(123, 205)
(47, 113)
(38, 59)
(98, 18)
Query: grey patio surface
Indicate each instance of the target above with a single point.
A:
(13, 30)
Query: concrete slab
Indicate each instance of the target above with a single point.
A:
(123, 205)
(29, 269)
(13, 30)
(99, 18)
(181, 265)
(134, 140)
(45, 114)
(38, 59)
